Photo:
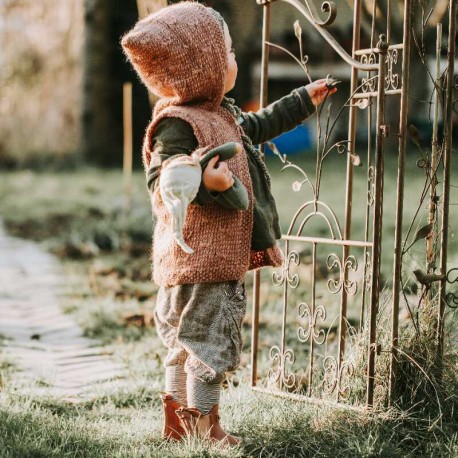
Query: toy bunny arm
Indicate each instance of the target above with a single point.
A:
(175, 137)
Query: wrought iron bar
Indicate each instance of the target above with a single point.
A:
(349, 179)
(355, 243)
(342, 315)
(374, 12)
(328, 37)
(311, 400)
(388, 21)
(448, 124)
(256, 275)
(400, 192)
(315, 204)
(365, 95)
(283, 322)
(369, 203)
(363, 51)
(377, 221)
(312, 340)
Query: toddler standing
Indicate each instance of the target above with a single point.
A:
(184, 55)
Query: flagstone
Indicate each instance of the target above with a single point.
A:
(47, 346)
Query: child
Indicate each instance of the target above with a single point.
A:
(184, 55)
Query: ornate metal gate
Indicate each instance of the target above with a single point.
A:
(325, 354)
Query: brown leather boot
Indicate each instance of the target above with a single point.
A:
(172, 428)
(194, 423)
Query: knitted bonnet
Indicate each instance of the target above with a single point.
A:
(180, 55)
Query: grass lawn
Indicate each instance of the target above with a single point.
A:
(105, 253)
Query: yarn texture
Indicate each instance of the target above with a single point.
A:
(184, 62)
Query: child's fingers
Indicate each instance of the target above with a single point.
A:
(212, 162)
(223, 168)
(317, 82)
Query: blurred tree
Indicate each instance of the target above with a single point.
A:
(97, 141)
(105, 71)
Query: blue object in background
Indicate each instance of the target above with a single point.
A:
(295, 141)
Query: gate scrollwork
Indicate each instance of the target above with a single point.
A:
(335, 285)
(304, 334)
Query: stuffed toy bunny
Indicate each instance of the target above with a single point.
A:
(180, 180)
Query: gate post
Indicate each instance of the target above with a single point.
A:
(400, 192)
(381, 132)
(256, 275)
(349, 180)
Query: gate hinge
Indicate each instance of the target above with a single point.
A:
(385, 128)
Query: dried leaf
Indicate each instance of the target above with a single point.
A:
(363, 103)
(356, 160)
(298, 30)
(423, 232)
(414, 135)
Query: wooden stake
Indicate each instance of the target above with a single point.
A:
(127, 129)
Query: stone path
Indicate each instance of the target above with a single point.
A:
(47, 345)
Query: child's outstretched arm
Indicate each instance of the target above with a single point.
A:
(285, 114)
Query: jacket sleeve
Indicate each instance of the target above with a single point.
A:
(281, 116)
(172, 137)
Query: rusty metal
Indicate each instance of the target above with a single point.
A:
(349, 178)
(377, 220)
(369, 204)
(353, 269)
(448, 124)
(337, 372)
(400, 191)
(304, 9)
(256, 275)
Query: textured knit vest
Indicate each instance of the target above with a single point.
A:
(220, 237)
(180, 54)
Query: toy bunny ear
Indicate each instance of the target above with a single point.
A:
(179, 184)
(225, 152)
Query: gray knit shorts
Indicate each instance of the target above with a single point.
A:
(200, 324)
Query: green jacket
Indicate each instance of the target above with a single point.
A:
(174, 136)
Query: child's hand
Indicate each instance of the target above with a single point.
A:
(217, 176)
(318, 89)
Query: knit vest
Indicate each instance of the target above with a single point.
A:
(180, 54)
(220, 237)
